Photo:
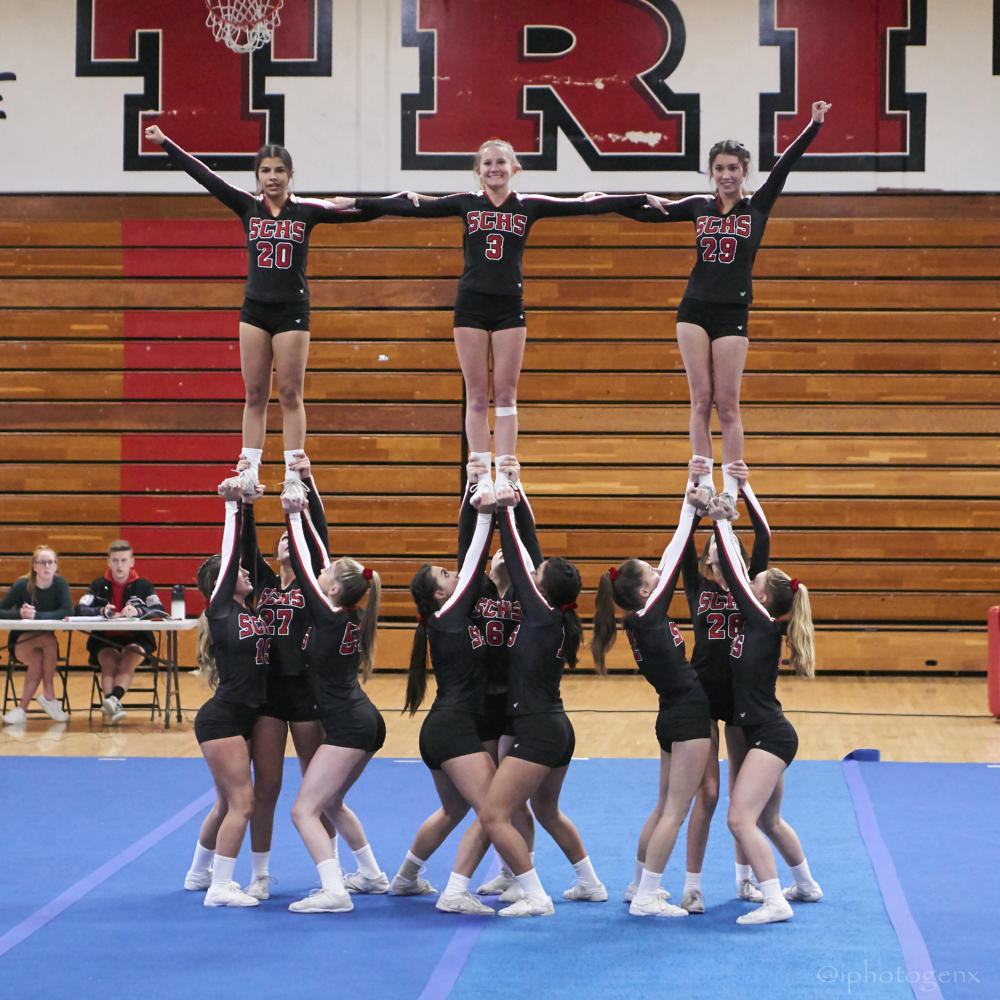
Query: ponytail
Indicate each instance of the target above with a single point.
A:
(790, 597)
(423, 586)
(355, 581)
(206, 653)
(801, 647)
(561, 587)
(617, 586)
(605, 622)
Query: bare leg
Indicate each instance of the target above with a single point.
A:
(684, 768)
(703, 809)
(330, 774)
(268, 755)
(256, 362)
(696, 353)
(508, 353)
(229, 761)
(291, 355)
(39, 653)
(307, 737)
(778, 831)
(736, 750)
(473, 347)
(729, 355)
(515, 782)
(545, 806)
(758, 780)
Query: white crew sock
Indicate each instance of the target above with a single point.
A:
(411, 867)
(330, 877)
(692, 882)
(457, 884)
(802, 875)
(222, 870)
(366, 862)
(260, 860)
(202, 860)
(585, 873)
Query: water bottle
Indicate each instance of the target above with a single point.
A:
(177, 609)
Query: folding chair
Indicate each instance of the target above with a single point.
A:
(10, 694)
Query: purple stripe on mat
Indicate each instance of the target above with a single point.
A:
(920, 969)
(76, 892)
(451, 963)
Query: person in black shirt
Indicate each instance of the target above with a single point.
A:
(682, 723)
(712, 316)
(340, 643)
(274, 320)
(774, 608)
(716, 621)
(489, 305)
(232, 648)
(290, 706)
(546, 638)
(450, 609)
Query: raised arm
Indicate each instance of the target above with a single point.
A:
(231, 196)
(735, 573)
(520, 565)
(765, 197)
(761, 554)
(470, 571)
(671, 560)
(298, 552)
(229, 567)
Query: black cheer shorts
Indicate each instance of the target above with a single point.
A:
(217, 720)
(447, 734)
(543, 739)
(684, 718)
(359, 727)
(778, 737)
(482, 311)
(717, 683)
(717, 319)
(494, 722)
(290, 698)
(275, 317)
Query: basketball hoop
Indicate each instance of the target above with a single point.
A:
(244, 25)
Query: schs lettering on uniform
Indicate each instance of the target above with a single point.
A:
(729, 225)
(290, 598)
(503, 222)
(250, 625)
(489, 607)
(276, 229)
(713, 601)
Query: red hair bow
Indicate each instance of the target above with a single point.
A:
(569, 607)
(613, 573)
(794, 585)
(366, 573)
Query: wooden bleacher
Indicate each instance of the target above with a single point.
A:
(870, 401)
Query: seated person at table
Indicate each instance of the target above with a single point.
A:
(120, 593)
(40, 595)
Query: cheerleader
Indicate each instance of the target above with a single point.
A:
(774, 608)
(341, 641)
(232, 652)
(682, 722)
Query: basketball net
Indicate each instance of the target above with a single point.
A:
(244, 25)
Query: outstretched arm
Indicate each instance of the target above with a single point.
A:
(765, 197)
(231, 196)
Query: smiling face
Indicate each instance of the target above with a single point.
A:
(729, 173)
(495, 166)
(243, 587)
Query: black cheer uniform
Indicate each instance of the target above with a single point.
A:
(458, 645)
(727, 243)
(498, 615)
(715, 616)
(755, 658)
(240, 643)
(289, 691)
(333, 655)
(543, 733)
(658, 648)
(277, 245)
(490, 291)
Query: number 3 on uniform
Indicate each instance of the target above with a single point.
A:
(494, 246)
